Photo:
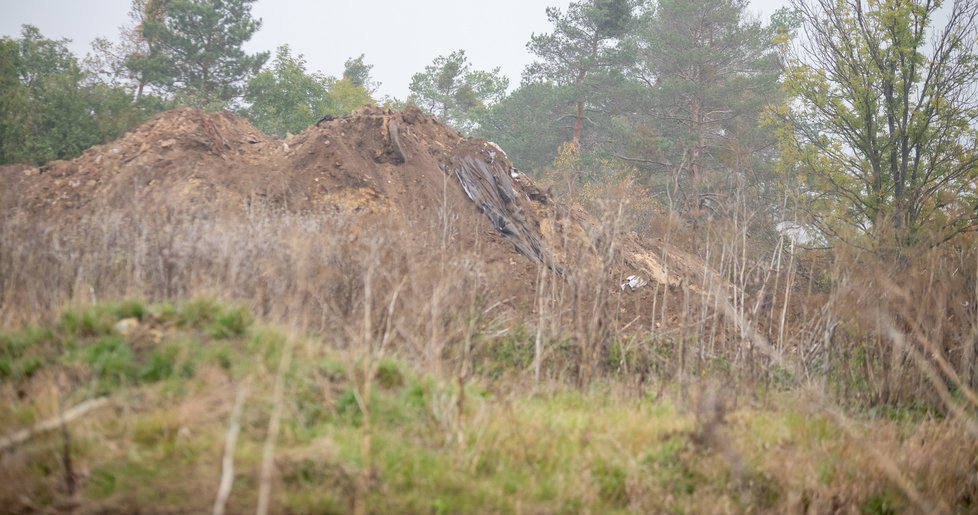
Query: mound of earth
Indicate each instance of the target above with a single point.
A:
(377, 166)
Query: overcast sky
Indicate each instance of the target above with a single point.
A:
(398, 37)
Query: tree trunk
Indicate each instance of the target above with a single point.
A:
(579, 118)
(695, 157)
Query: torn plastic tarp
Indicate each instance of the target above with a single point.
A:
(486, 181)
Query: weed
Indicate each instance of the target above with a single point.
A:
(879, 504)
(23, 353)
(127, 309)
(85, 322)
(161, 364)
(220, 355)
(348, 408)
(389, 374)
(198, 312)
(512, 352)
(229, 323)
(611, 481)
(28, 367)
(112, 362)
(332, 370)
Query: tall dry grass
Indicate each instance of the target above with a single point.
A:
(757, 309)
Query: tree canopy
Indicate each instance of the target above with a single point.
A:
(584, 42)
(883, 129)
(50, 108)
(195, 49)
(453, 91)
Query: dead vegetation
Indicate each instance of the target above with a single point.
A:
(745, 375)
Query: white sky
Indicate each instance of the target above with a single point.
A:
(398, 37)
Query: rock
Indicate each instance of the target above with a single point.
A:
(126, 326)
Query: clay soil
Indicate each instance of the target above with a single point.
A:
(375, 168)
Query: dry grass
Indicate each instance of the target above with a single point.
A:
(891, 340)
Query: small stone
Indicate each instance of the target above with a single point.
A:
(167, 143)
(126, 326)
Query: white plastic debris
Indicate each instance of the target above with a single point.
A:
(497, 148)
(633, 282)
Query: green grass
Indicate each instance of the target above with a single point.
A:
(559, 449)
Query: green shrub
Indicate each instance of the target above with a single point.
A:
(198, 312)
(229, 323)
(112, 361)
(161, 364)
(389, 374)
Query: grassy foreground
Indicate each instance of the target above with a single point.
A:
(354, 431)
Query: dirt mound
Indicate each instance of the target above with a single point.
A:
(376, 166)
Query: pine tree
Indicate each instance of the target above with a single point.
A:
(195, 49)
(710, 70)
(450, 89)
(583, 44)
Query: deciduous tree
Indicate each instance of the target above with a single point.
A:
(48, 108)
(285, 97)
(883, 127)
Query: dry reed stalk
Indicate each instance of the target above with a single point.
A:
(887, 466)
(55, 422)
(274, 421)
(230, 442)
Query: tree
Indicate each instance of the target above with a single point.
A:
(195, 49)
(583, 42)
(48, 107)
(883, 127)
(347, 97)
(358, 73)
(284, 97)
(109, 62)
(451, 90)
(527, 123)
(711, 71)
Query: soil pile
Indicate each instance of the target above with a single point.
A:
(377, 166)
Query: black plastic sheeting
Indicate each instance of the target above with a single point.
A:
(486, 180)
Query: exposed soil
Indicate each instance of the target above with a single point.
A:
(375, 166)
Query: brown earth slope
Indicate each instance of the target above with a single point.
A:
(374, 168)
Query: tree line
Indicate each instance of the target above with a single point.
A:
(858, 114)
